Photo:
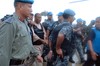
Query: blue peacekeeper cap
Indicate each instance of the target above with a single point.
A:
(49, 14)
(69, 11)
(79, 20)
(25, 1)
(60, 14)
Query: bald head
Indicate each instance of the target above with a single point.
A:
(37, 17)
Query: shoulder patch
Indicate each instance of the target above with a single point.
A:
(9, 20)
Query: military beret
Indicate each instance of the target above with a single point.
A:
(60, 14)
(69, 11)
(25, 1)
(49, 14)
(79, 20)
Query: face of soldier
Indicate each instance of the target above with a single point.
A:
(50, 17)
(26, 9)
(60, 18)
(79, 23)
(72, 18)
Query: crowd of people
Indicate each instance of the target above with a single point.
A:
(26, 41)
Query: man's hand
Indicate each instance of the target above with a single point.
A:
(31, 23)
(44, 41)
(39, 58)
(94, 55)
(50, 54)
(59, 52)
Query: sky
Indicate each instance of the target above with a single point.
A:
(87, 10)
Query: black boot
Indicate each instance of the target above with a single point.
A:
(71, 60)
(82, 60)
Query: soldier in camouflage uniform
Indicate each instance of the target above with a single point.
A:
(55, 24)
(48, 23)
(61, 37)
(79, 38)
(87, 31)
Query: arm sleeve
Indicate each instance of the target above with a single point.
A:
(66, 32)
(63, 31)
(6, 40)
(91, 35)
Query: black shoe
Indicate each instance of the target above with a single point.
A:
(71, 60)
(82, 60)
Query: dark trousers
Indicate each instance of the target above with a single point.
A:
(90, 61)
(52, 61)
(62, 61)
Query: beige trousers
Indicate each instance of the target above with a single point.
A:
(40, 51)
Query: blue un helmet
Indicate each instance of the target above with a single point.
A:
(60, 14)
(69, 12)
(49, 14)
(24, 1)
(79, 20)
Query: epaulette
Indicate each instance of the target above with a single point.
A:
(9, 20)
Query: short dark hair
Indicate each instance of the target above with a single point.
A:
(37, 14)
(65, 16)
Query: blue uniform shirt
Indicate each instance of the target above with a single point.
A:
(94, 37)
